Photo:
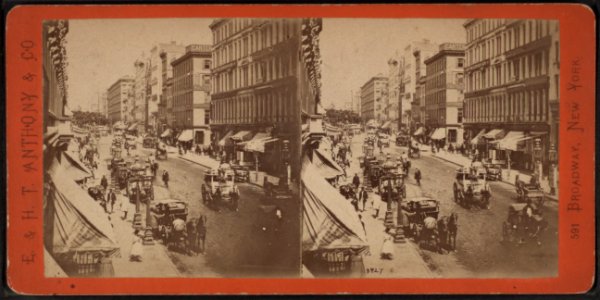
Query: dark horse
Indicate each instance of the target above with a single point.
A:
(448, 229)
(196, 230)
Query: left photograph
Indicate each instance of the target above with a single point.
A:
(172, 147)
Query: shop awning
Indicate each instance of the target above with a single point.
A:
(186, 136)
(386, 125)
(326, 166)
(132, 127)
(119, 125)
(510, 141)
(242, 135)
(74, 168)
(224, 139)
(419, 131)
(79, 223)
(258, 142)
(166, 133)
(494, 134)
(478, 138)
(329, 220)
(439, 134)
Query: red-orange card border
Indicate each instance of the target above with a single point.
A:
(577, 54)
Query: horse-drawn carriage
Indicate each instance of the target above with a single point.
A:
(170, 226)
(140, 187)
(218, 189)
(130, 142)
(120, 172)
(367, 155)
(531, 191)
(422, 214)
(161, 151)
(242, 173)
(403, 140)
(149, 142)
(470, 189)
(493, 171)
(523, 221)
(392, 187)
(414, 151)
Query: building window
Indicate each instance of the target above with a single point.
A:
(206, 64)
(461, 62)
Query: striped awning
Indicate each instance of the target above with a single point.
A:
(242, 135)
(186, 136)
(74, 168)
(326, 166)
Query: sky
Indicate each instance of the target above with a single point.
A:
(354, 50)
(103, 50)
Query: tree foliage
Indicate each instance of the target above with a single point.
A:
(81, 118)
(341, 116)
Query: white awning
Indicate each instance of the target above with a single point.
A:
(419, 131)
(186, 136)
(258, 142)
(241, 135)
(511, 140)
(476, 140)
(74, 168)
(386, 125)
(224, 139)
(166, 133)
(132, 126)
(439, 134)
(494, 134)
(326, 166)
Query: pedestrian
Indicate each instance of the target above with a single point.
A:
(356, 181)
(363, 196)
(137, 249)
(354, 203)
(165, 178)
(418, 176)
(104, 182)
(235, 193)
(111, 198)
(387, 248)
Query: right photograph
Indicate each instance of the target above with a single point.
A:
(429, 148)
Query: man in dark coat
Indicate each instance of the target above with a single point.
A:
(111, 198)
(364, 196)
(165, 178)
(104, 182)
(356, 181)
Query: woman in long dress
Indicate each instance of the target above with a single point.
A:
(137, 250)
(387, 248)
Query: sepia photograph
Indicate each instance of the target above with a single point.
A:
(430, 150)
(172, 147)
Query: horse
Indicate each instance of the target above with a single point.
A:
(196, 234)
(452, 227)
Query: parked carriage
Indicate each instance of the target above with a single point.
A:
(140, 187)
(493, 171)
(170, 226)
(392, 187)
(403, 140)
(149, 142)
(422, 213)
(161, 151)
(470, 189)
(531, 192)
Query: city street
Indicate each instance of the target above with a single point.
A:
(236, 244)
(479, 251)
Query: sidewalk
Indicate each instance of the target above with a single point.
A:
(406, 262)
(155, 260)
(507, 177)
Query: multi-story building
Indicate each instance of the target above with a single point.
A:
(191, 94)
(444, 94)
(512, 90)
(119, 95)
(394, 79)
(373, 95)
(402, 84)
(138, 107)
(155, 77)
(257, 89)
(420, 53)
(103, 103)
